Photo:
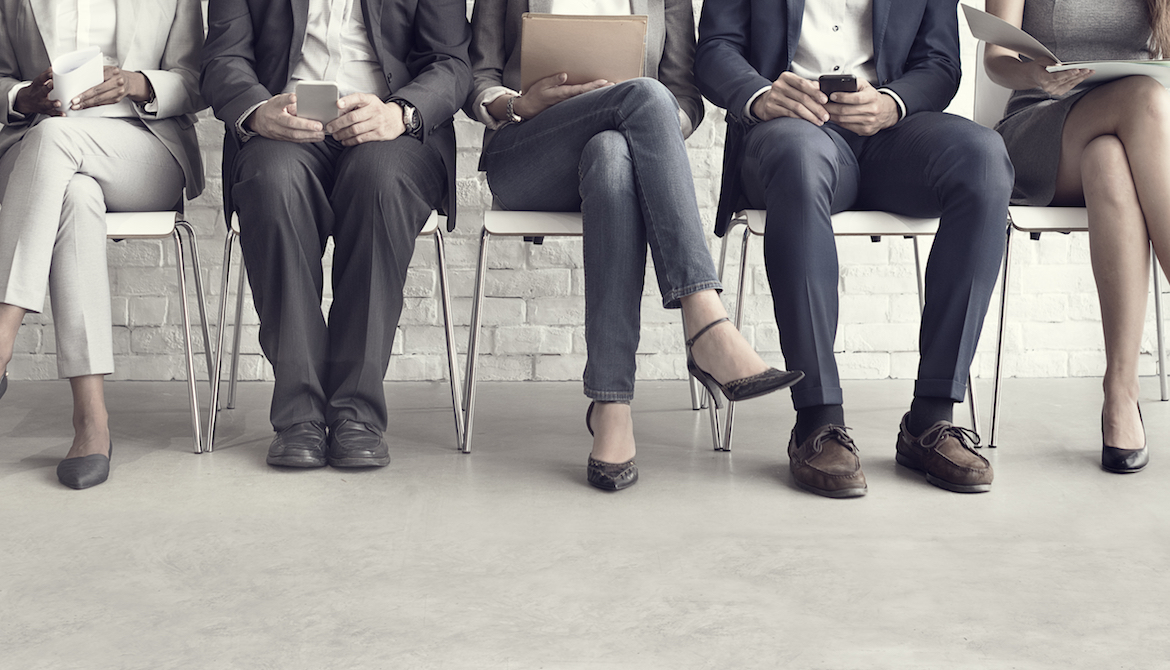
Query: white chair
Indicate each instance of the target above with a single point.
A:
(432, 228)
(161, 225)
(534, 227)
(990, 100)
(871, 224)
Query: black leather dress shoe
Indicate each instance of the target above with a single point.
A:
(353, 444)
(83, 472)
(301, 445)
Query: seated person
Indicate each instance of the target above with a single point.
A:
(369, 179)
(134, 150)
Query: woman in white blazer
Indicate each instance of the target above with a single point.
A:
(127, 144)
(614, 152)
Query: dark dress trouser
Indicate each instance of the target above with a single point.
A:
(373, 199)
(929, 164)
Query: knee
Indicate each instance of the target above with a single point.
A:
(606, 156)
(1145, 100)
(51, 133)
(83, 196)
(272, 168)
(792, 152)
(1105, 170)
(650, 95)
(976, 162)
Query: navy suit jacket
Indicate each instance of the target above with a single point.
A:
(252, 46)
(744, 45)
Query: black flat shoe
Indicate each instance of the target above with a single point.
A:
(740, 389)
(1124, 461)
(609, 476)
(83, 472)
(353, 444)
(301, 445)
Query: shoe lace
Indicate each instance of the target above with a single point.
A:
(966, 437)
(834, 432)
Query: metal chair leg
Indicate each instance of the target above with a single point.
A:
(473, 341)
(449, 331)
(217, 369)
(236, 334)
(739, 306)
(1159, 327)
(181, 266)
(1007, 257)
(198, 273)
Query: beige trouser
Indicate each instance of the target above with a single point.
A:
(56, 185)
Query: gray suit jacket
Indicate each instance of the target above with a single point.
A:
(161, 39)
(670, 48)
(252, 46)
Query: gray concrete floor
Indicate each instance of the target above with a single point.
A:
(505, 558)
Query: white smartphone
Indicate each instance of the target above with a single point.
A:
(317, 100)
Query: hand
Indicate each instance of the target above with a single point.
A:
(365, 118)
(118, 84)
(865, 112)
(34, 99)
(543, 94)
(277, 119)
(1054, 84)
(792, 96)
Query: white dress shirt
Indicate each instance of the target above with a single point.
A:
(836, 37)
(336, 49)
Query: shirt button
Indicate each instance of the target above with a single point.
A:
(836, 67)
(836, 28)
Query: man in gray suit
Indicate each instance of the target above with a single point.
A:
(370, 179)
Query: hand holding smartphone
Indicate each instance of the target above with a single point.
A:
(834, 83)
(317, 100)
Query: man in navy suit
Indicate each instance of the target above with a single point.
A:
(804, 156)
(369, 179)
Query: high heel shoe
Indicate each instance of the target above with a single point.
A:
(83, 472)
(1124, 461)
(740, 389)
(609, 476)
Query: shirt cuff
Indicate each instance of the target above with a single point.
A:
(490, 95)
(747, 109)
(898, 100)
(243, 133)
(14, 115)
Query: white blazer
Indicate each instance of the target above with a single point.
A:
(160, 38)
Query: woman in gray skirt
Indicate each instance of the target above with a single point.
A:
(1104, 147)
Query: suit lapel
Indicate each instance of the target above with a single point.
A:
(127, 23)
(46, 22)
(881, 16)
(300, 21)
(795, 21)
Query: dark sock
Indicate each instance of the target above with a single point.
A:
(809, 419)
(927, 411)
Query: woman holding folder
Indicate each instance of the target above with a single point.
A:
(1105, 147)
(615, 153)
(125, 144)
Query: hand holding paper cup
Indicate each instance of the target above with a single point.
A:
(73, 74)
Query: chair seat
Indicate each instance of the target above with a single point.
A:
(859, 223)
(128, 225)
(534, 224)
(428, 228)
(1049, 219)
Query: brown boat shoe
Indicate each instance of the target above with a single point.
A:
(945, 453)
(826, 463)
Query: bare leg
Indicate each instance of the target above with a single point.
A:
(1113, 160)
(90, 421)
(721, 351)
(613, 432)
(10, 318)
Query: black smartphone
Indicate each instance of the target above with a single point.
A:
(832, 83)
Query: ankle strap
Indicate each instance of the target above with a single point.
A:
(709, 326)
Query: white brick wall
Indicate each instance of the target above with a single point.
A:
(533, 321)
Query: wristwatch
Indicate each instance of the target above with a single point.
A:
(410, 118)
(511, 110)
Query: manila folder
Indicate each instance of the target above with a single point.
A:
(586, 48)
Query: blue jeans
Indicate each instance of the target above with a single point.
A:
(617, 155)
